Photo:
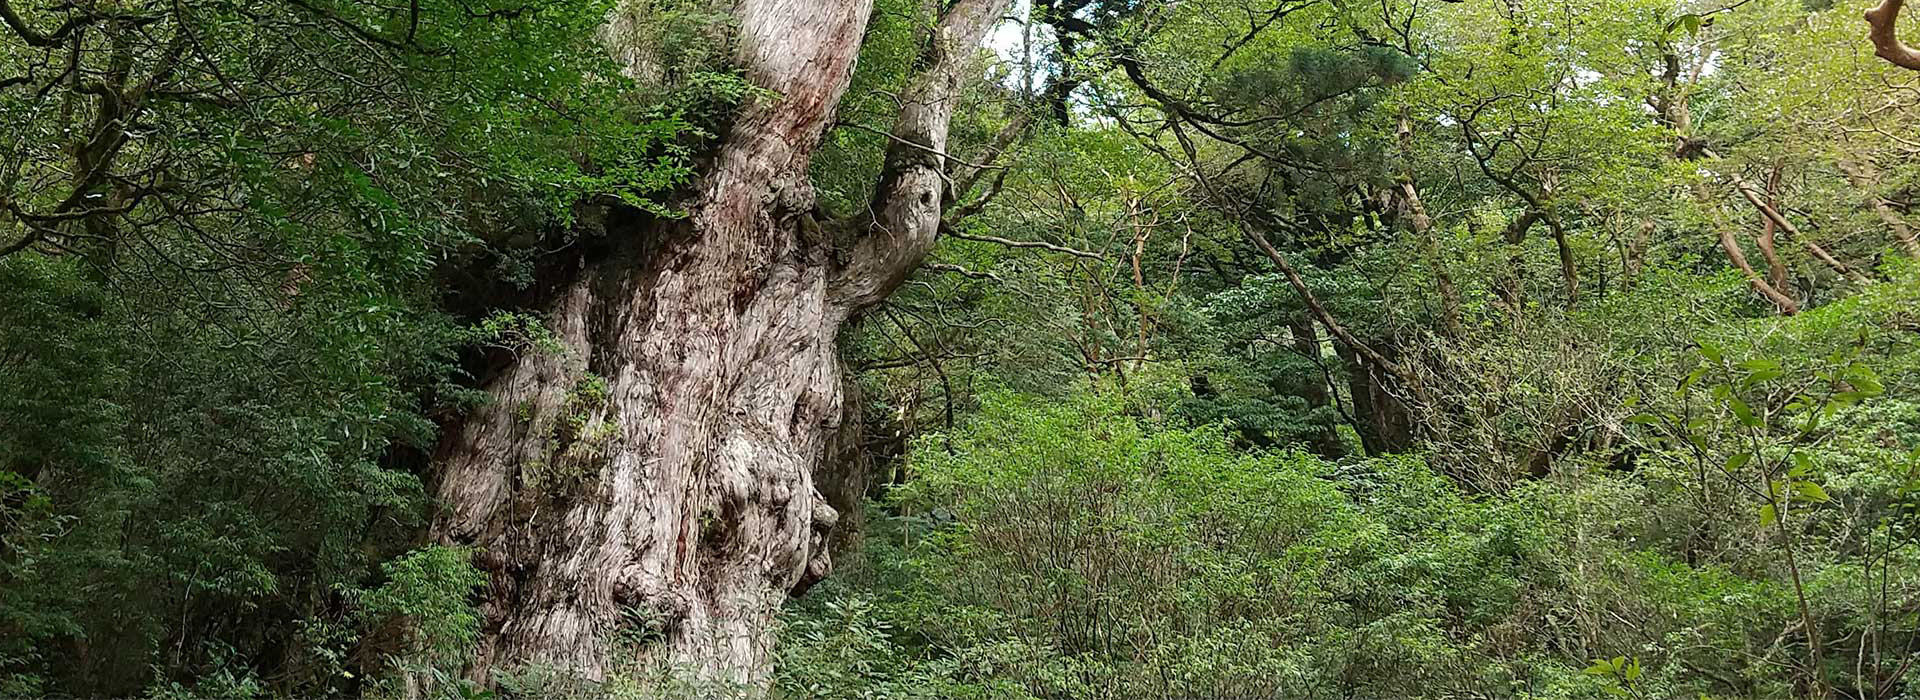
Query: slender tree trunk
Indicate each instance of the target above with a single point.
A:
(1422, 225)
(1776, 270)
(656, 480)
(1569, 274)
(1637, 253)
(1316, 390)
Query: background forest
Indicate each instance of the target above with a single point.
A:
(1271, 348)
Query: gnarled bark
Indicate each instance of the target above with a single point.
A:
(655, 482)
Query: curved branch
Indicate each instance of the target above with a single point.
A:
(914, 186)
(1239, 215)
(32, 237)
(962, 271)
(1780, 300)
(1886, 42)
(1753, 197)
(33, 37)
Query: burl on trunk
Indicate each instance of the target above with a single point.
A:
(657, 477)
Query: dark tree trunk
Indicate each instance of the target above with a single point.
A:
(1384, 424)
(658, 476)
(1316, 390)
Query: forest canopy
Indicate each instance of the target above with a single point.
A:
(959, 349)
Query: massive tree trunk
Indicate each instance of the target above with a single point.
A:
(655, 481)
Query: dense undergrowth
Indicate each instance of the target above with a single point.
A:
(1098, 545)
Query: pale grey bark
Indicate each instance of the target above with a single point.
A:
(676, 508)
(913, 189)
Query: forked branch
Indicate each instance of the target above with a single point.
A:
(1886, 40)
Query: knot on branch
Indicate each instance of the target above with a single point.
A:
(822, 518)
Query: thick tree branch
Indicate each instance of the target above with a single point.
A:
(1886, 40)
(913, 188)
(1753, 197)
(33, 37)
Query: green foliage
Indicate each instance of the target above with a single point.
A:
(1078, 550)
(219, 393)
(259, 252)
(423, 606)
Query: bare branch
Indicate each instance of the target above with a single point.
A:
(1021, 244)
(963, 272)
(1780, 300)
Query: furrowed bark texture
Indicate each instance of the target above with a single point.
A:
(678, 502)
(661, 481)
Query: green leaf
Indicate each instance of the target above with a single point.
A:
(1691, 379)
(1802, 465)
(1768, 515)
(1758, 376)
(1864, 380)
(1744, 413)
(1709, 350)
(1808, 491)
